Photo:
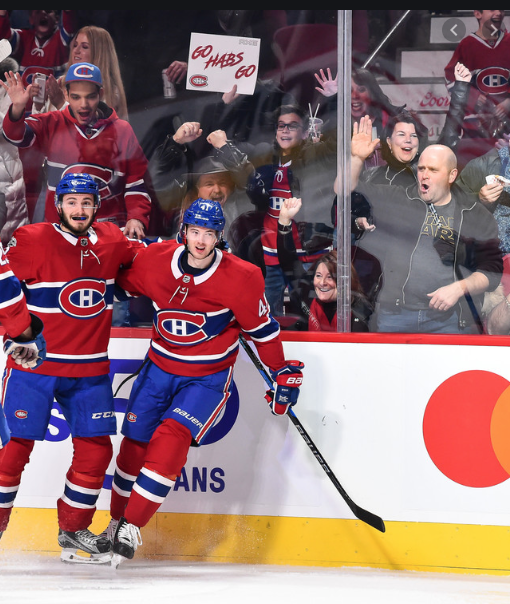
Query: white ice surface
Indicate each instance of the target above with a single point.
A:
(27, 578)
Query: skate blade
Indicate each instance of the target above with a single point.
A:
(116, 560)
(71, 556)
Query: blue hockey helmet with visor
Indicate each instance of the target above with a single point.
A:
(77, 183)
(204, 213)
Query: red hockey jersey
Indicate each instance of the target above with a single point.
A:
(109, 151)
(69, 283)
(197, 319)
(14, 315)
(49, 56)
(489, 65)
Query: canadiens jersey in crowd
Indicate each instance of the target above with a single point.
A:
(489, 65)
(50, 56)
(68, 282)
(109, 151)
(197, 318)
(14, 315)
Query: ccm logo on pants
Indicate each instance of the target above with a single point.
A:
(103, 414)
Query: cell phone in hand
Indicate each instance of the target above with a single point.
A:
(492, 178)
(40, 79)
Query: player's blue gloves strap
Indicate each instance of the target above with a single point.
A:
(287, 381)
(29, 354)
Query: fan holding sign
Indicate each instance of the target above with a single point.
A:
(217, 63)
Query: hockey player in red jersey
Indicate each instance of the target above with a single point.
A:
(187, 380)
(68, 272)
(23, 339)
(86, 136)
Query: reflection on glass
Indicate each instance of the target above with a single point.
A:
(424, 78)
(430, 224)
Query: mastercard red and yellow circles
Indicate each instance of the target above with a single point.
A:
(466, 428)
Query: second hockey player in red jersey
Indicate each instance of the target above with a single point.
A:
(184, 386)
(67, 272)
(23, 340)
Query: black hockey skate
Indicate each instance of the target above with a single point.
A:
(110, 530)
(96, 547)
(127, 539)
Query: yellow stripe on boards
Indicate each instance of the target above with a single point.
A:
(327, 542)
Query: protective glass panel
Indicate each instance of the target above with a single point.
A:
(360, 157)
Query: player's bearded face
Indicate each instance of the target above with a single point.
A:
(77, 212)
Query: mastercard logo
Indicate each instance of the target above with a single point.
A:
(466, 428)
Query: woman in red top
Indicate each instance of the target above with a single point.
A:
(323, 308)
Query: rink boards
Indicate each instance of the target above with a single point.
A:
(415, 429)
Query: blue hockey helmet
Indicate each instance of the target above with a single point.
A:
(77, 183)
(205, 213)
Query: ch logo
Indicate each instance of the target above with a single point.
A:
(276, 203)
(181, 327)
(83, 298)
(493, 80)
(83, 71)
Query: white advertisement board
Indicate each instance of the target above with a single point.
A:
(414, 432)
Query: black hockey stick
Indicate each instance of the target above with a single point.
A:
(130, 377)
(367, 517)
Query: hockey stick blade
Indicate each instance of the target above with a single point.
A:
(365, 516)
(371, 519)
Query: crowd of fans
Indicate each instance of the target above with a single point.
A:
(261, 157)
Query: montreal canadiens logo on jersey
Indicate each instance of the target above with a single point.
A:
(181, 327)
(493, 80)
(83, 298)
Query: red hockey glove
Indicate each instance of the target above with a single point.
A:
(287, 380)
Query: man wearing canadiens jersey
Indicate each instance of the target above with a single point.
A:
(86, 136)
(185, 383)
(44, 46)
(67, 272)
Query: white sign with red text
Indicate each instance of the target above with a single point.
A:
(217, 63)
